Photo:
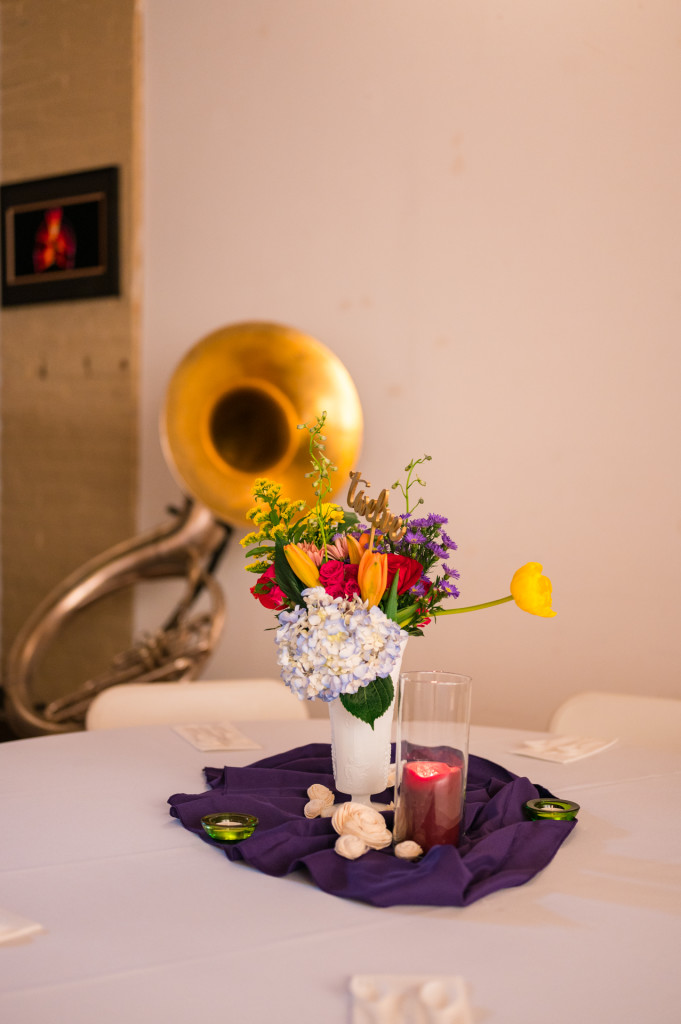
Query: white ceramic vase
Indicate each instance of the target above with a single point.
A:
(360, 754)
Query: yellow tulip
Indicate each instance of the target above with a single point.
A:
(372, 576)
(302, 565)
(531, 591)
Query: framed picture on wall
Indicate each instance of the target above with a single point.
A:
(60, 238)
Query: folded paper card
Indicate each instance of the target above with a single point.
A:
(562, 749)
(408, 998)
(216, 736)
(500, 846)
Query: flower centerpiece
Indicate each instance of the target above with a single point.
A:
(349, 587)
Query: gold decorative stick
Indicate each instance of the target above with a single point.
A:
(375, 510)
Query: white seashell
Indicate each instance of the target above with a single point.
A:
(350, 816)
(379, 840)
(364, 822)
(408, 850)
(350, 847)
(321, 797)
(364, 988)
(321, 793)
(313, 808)
(434, 995)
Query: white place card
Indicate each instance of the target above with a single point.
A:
(562, 749)
(216, 736)
(15, 928)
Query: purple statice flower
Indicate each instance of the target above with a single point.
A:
(449, 588)
(438, 551)
(450, 571)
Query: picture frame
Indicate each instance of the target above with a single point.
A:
(60, 237)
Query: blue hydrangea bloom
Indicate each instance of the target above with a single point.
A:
(335, 645)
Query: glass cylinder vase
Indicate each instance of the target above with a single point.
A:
(433, 722)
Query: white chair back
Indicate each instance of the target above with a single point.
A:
(186, 703)
(651, 721)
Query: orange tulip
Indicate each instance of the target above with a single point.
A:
(372, 576)
(302, 565)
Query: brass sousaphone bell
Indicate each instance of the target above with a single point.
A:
(231, 415)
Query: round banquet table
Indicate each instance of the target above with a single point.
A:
(144, 922)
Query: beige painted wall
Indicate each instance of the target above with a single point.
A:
(476, 206)
(70, 102)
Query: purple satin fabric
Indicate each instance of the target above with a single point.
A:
(500, 847)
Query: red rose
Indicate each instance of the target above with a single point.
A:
(268, 593)
(409, 570)
(339, 579)
(351, 584)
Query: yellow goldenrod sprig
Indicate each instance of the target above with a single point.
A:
(272, 515)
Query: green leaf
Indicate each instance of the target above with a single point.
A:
(391, 604)
(263, 549)
(285, 576)
(370, 702)
(404, 614)
(348, 522)
(297, 530)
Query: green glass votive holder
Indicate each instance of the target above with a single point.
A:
(551, 809)
(228, 827)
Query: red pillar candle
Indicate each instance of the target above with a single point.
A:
(430, 803)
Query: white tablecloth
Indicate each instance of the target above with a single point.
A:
(145, 923)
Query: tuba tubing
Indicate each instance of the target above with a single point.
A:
(177, 548)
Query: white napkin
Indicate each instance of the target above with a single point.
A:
(216, 736)
(15, 928)
(562, 749)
